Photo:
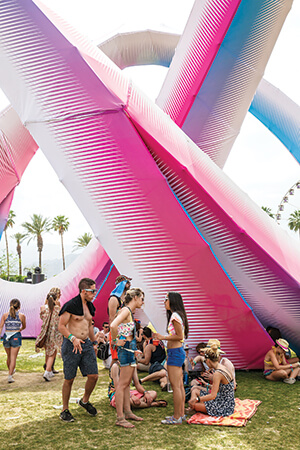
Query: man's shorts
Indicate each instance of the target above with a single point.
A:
(14, 341)
(156, 367)
(176, 356)
(86, 360)
(125, 357)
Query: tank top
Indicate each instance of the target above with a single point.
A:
(13, 324)
(159, 355)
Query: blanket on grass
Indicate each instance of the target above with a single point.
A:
(243, 411)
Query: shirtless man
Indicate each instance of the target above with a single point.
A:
(77, 350)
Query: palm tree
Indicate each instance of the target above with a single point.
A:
(19, 237)
(9, 224)
(83, 240)
(61, 224)
(35, 229)
(294, 221)
(268, 211)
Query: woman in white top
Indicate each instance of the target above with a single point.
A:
(14, 323)
(178, 329)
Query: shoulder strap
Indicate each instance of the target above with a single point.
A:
(226, 374)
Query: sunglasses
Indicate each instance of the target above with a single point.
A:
(91, 290)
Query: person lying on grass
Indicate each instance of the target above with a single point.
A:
(220, 400)
(276, 367)
(139, 398)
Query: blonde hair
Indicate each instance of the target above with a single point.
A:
(13, 306)
(213, 352)
(131, 293)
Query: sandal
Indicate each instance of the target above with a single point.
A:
(159, 403)
(129, 415)
(122, 422)
(172, 421)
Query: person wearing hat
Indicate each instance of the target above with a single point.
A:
(276, 367)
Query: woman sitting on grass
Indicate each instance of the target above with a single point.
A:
(276, 367)
(220, 400)
(14, 323)
(139, 398)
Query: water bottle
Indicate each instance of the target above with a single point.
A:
(169, 386)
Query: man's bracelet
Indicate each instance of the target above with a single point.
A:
(71, 337)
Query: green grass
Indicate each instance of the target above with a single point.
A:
(29, 420)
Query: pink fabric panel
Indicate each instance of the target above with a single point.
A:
(209, 22)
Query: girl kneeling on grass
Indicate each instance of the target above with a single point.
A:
(276, 367)
(178, 329)
(123, 337)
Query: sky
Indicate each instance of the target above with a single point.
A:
(258, 163)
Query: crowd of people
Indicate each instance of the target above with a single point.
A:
(206, 382)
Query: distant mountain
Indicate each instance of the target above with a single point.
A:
(52, 267)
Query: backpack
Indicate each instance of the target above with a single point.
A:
(103, 351)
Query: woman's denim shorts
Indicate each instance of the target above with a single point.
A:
(14, 341)
(176, 356)
(125, 357)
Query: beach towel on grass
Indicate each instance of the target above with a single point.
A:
(243, 411)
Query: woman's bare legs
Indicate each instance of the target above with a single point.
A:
(122, 394)
(11, 359)
(50, 361)
(176, 380)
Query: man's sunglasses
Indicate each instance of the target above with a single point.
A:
(91, 290)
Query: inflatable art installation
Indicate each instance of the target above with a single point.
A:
(148, 177)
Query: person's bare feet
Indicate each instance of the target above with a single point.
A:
(131, 416)
(122, 422)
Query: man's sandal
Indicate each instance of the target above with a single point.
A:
(122, 422)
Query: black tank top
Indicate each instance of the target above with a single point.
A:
(159, 355)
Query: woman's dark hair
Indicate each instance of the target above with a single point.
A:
(176, 305)
(51, 301)
(13, 306)
(200, 346)
(147, 332)
(274, 333)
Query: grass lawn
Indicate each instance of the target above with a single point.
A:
(30, 421)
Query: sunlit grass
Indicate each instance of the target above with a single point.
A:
(29, 419)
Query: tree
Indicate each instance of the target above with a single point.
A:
(19, 237)
(294, 221)
(83, 240)
(268, 211)
(9, 224)
(35, 229)
(61, 224)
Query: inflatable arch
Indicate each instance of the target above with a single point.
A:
(151, 210)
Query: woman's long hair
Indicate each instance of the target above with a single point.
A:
(176, 305)
(52, 297)
(13, 306)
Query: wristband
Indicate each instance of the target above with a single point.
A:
(95, 342)
(70, 335)
(194, 362)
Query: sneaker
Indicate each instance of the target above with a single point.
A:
(289, 380)
(172, 421)
(47, 376)
(55, 371)
(88, 407)
(66, 416)
(10, 379)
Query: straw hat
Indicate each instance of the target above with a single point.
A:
(283, 344)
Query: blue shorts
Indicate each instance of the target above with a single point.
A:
(14, 341)
(127, 358)
(176, 356)
(86, 360)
